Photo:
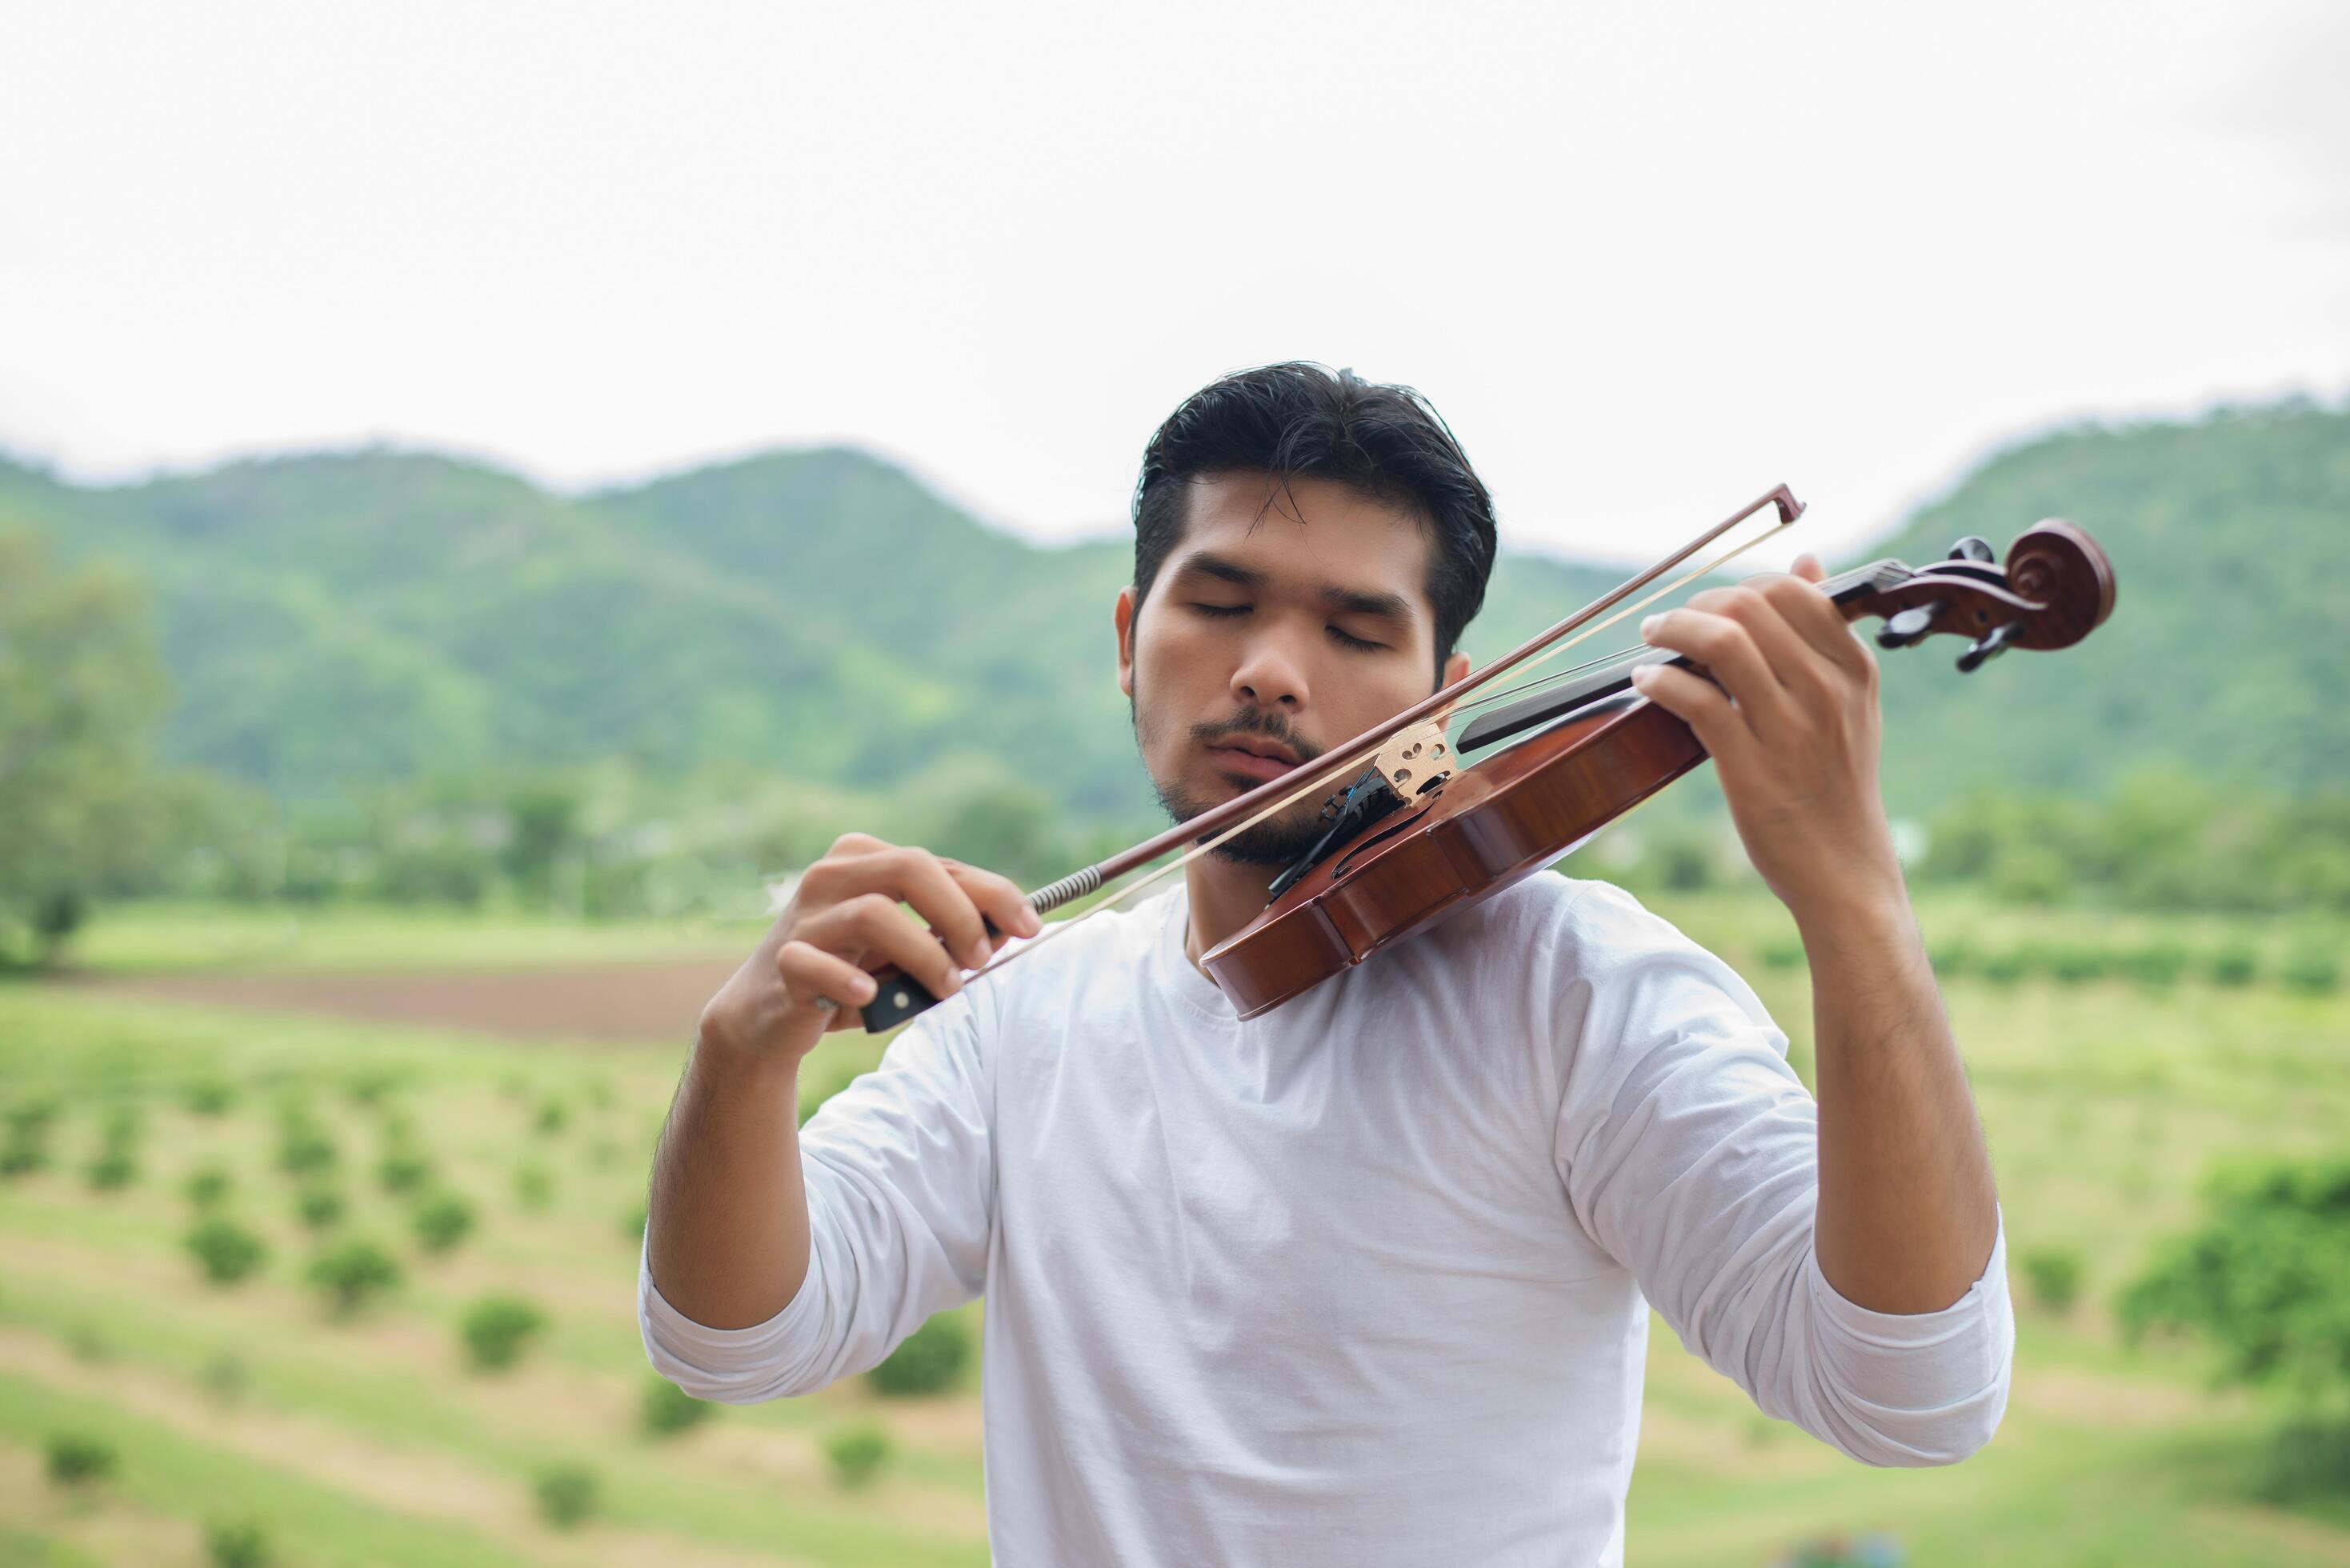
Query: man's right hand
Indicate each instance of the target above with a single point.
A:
(810, 974)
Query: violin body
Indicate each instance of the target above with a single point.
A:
(1485, 827)
(1488, 826)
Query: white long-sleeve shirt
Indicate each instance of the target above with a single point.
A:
(1364, 1279)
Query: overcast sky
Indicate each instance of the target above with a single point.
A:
(1648, 260)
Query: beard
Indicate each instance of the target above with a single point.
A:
(1273, 843)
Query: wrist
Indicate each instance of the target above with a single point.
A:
(1863, 910)
(737, 1069)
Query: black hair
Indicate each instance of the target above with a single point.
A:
(1300, 418)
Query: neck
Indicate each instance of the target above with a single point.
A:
(1223, 896)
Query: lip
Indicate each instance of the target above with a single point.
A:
(1270, 763)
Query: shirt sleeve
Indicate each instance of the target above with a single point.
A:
(1690, 1153)
(901, 1182)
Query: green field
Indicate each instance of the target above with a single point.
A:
(367, 1440)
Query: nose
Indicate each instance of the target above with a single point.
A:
(1270, 676)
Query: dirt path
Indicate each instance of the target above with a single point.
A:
(635, 1003)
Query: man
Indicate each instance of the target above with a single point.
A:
(1364, 1279)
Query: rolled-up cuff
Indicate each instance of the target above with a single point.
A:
(1910, 1331)
(1914, 1389)
(706, 1361)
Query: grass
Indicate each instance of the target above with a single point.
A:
(149, 938)
(372, 1440)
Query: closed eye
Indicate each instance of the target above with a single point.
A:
(1220, 610)
(1347, 639)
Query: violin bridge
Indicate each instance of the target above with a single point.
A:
(1416, 759)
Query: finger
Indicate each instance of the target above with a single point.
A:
(1806, 674)
(1728, 648)
(1816, 619)
(871, 926)
(821, 978)
(1807, 567)
(998, 898)
(916, 877)
(1697, 702)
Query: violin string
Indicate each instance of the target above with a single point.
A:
(1322, 779)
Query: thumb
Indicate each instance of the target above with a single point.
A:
(1807, 567)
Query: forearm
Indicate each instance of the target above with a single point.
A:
(727, 1218)
(1906, 1205)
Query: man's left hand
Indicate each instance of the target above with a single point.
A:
(1793, 727)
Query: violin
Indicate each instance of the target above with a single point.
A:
(1418, 833)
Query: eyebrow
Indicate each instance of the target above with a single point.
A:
(1344, 600)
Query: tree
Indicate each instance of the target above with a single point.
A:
(2267, 1276)
(81, 691)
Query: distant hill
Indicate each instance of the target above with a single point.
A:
(374, 614)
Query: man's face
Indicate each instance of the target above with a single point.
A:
(1272, 633)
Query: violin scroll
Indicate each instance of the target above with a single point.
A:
(2054, 589)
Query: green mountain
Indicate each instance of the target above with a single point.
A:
(371, 614)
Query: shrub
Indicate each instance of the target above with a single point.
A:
(24, 1154)
(668, 1409)
(926, 1362)
(33, 1117)
(208, 1185)
(857, 1453)
(534, 1187)
(111, 1171)
(2074, 962)
(304, 1147)
(77, 1459)
(121, 1130)
(2311, 969)
(1952, 959)
(633, 1223)
(2235, 965)
(1783, 952)
(239, 1542)
(2155, 964)
(209, 1097)
(2055, 1274)
(442, 1221)
(566, 1495)
(553, 1116)
(319, 1206)
(2005, 966)
(353, 1273)
(496, 1329)
(404, 1169)
(225, 1250)
(372, 1087)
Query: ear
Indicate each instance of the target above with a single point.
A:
(1121, 615)
(1454, 668)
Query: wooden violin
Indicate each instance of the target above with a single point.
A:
(1417, 834)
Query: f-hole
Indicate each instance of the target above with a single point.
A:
(1419, 809)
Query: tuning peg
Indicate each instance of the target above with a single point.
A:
(1992, 644)
(1903, 627)
(1973, 548)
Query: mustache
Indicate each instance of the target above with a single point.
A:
(1256, 721)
